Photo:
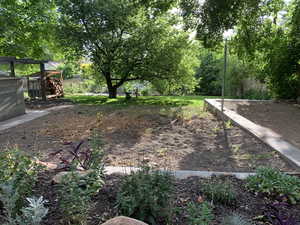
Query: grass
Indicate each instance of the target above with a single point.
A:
(184, 107)
(173, 101)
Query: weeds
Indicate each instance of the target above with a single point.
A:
(219, 192)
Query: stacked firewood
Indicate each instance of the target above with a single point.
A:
(54, 87)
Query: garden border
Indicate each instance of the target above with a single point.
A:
(266, 135)
(183, 174)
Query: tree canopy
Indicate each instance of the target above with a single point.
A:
(127, 40)
(266, 34)
(27, 28)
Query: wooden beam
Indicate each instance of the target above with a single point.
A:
(30, 61)
(12, 69)
(7, 58)
(43, 82)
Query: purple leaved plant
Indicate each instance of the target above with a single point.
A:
(80, 156)
(277, 214)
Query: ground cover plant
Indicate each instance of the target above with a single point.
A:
(275, 184)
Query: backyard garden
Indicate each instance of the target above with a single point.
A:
(154, 112)
(63, 155)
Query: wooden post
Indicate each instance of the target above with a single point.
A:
(43, 82)
(224, 76)
(12, 69)
(28, 87)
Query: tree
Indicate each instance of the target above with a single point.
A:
(27, 28)
(270, 40)
(127, 40)
(208, 75)
(212, 17)
(266, 36)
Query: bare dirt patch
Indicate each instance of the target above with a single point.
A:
(281, 117)
(155, 135)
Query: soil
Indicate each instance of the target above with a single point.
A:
(248, 204)
(40, 104)
(146, 134)
(281, 117)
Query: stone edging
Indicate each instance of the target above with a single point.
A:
(266, 135)
(183, 174)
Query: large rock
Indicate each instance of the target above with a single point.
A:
(122, 220)
(58, 178)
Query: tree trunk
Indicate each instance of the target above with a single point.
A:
(112, 91)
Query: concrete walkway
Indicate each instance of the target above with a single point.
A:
(268, 136)
(179, 174)
(29, 116)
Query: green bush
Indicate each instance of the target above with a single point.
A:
(236, 219)
(274, 183)
(257, 95)
(200, 213)
(75, 193)
(145, 195)
(18, 175)
(221, 192)
(76, 190)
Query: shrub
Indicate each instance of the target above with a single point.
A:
(76, 191)
(18, 175)
(145, 195)
(217, 191)
(257, 95)
(236, 219)
(274, 183)
(200, 213)
(75, 195)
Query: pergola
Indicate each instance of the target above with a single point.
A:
(12, 61)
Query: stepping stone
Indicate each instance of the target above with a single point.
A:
(122, 220)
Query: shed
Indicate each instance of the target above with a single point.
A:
(11, 90)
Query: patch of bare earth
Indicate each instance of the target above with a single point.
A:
(147, 134)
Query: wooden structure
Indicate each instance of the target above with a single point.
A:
(12, 61)
(53, 84)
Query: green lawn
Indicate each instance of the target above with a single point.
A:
(183, 106)
(173, 101)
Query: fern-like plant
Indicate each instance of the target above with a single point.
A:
(200, 214)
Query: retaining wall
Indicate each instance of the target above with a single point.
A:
(11, 98)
